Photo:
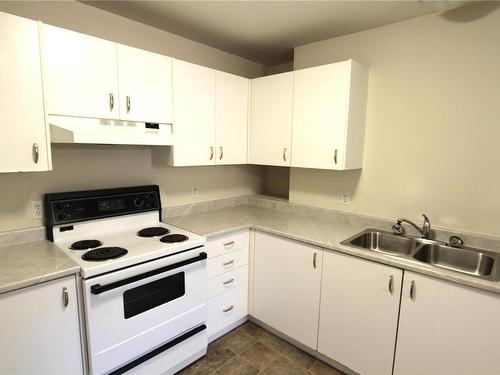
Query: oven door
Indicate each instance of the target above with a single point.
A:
(133, 310)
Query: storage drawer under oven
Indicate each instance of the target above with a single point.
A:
(130, 311)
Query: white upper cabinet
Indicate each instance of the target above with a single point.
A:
(81, 74)
(329, 110)
(271, 120)
(194, 115)
(286, 287)
(359, 313)
(231, 118)
(24, 141)
(445, 328)
(145, 85)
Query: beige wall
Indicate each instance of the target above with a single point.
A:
(90, 167)
(433, 128)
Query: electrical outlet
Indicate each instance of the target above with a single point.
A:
(36, 209)
(343, 198)
(194, 192)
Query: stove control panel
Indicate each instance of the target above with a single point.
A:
(65, 208)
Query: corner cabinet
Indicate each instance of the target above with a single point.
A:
(445, 328)
(329, 110)
(40, 330)
(24, 145)
(359, 313)
(271, 120)
(286, 290)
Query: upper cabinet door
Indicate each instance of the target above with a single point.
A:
(81, 74)
(145, 81)
(271, 120)
(194, 114)
(24, 141)
(329, 107)
(231, 118)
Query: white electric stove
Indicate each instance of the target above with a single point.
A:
(144, 282)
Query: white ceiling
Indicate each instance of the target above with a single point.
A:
(267, 31)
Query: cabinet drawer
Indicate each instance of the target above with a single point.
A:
(227, 262)
(227, 308)
(227, 281)
(224, 244)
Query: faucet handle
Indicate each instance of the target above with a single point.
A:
(398, 228)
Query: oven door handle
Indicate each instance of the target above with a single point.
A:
(98, 288)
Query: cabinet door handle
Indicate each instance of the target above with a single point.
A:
(221, 152)
(229, 244)
(284, 154)
(335, 156)
(35, 152)
(413, 290)
(314, 259)
(211, 152)
(391, 284)
(111, 102)
(230, 281)
(228, 309)
(65, 297)
(228, 264)
(128, 104)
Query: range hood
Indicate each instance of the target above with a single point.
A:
(66, 129)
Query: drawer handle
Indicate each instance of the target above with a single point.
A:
(231, 243)
(230, 281)
(228, 309)
(228, 264)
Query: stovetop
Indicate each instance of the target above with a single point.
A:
(138, 249)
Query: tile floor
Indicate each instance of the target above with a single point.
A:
(251, 350)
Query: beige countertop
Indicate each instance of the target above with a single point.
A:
(31, 263)
(325, 232)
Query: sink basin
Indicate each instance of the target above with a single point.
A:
(384, 242)
(474, 262)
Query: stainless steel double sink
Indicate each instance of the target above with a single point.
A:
(466, 260)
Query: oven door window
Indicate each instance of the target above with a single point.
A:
(153, 294)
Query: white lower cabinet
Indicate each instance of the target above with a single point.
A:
(287, 278)
(447, 328)
(40, 330)
(227, 281)
(359, 313)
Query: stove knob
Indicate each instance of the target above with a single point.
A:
(59, 206)
(61, 217)
(139, 202)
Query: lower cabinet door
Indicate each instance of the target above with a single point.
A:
(227, 308)
(447, 329)
(359, 313)
(40, 332)
(287, 278)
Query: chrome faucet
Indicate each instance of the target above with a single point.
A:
(425, 231)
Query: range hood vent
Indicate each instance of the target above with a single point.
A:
(65, 129)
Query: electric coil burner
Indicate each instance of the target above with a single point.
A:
(104, 253)
(153, 232)
(171, 238)
(85, 244)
